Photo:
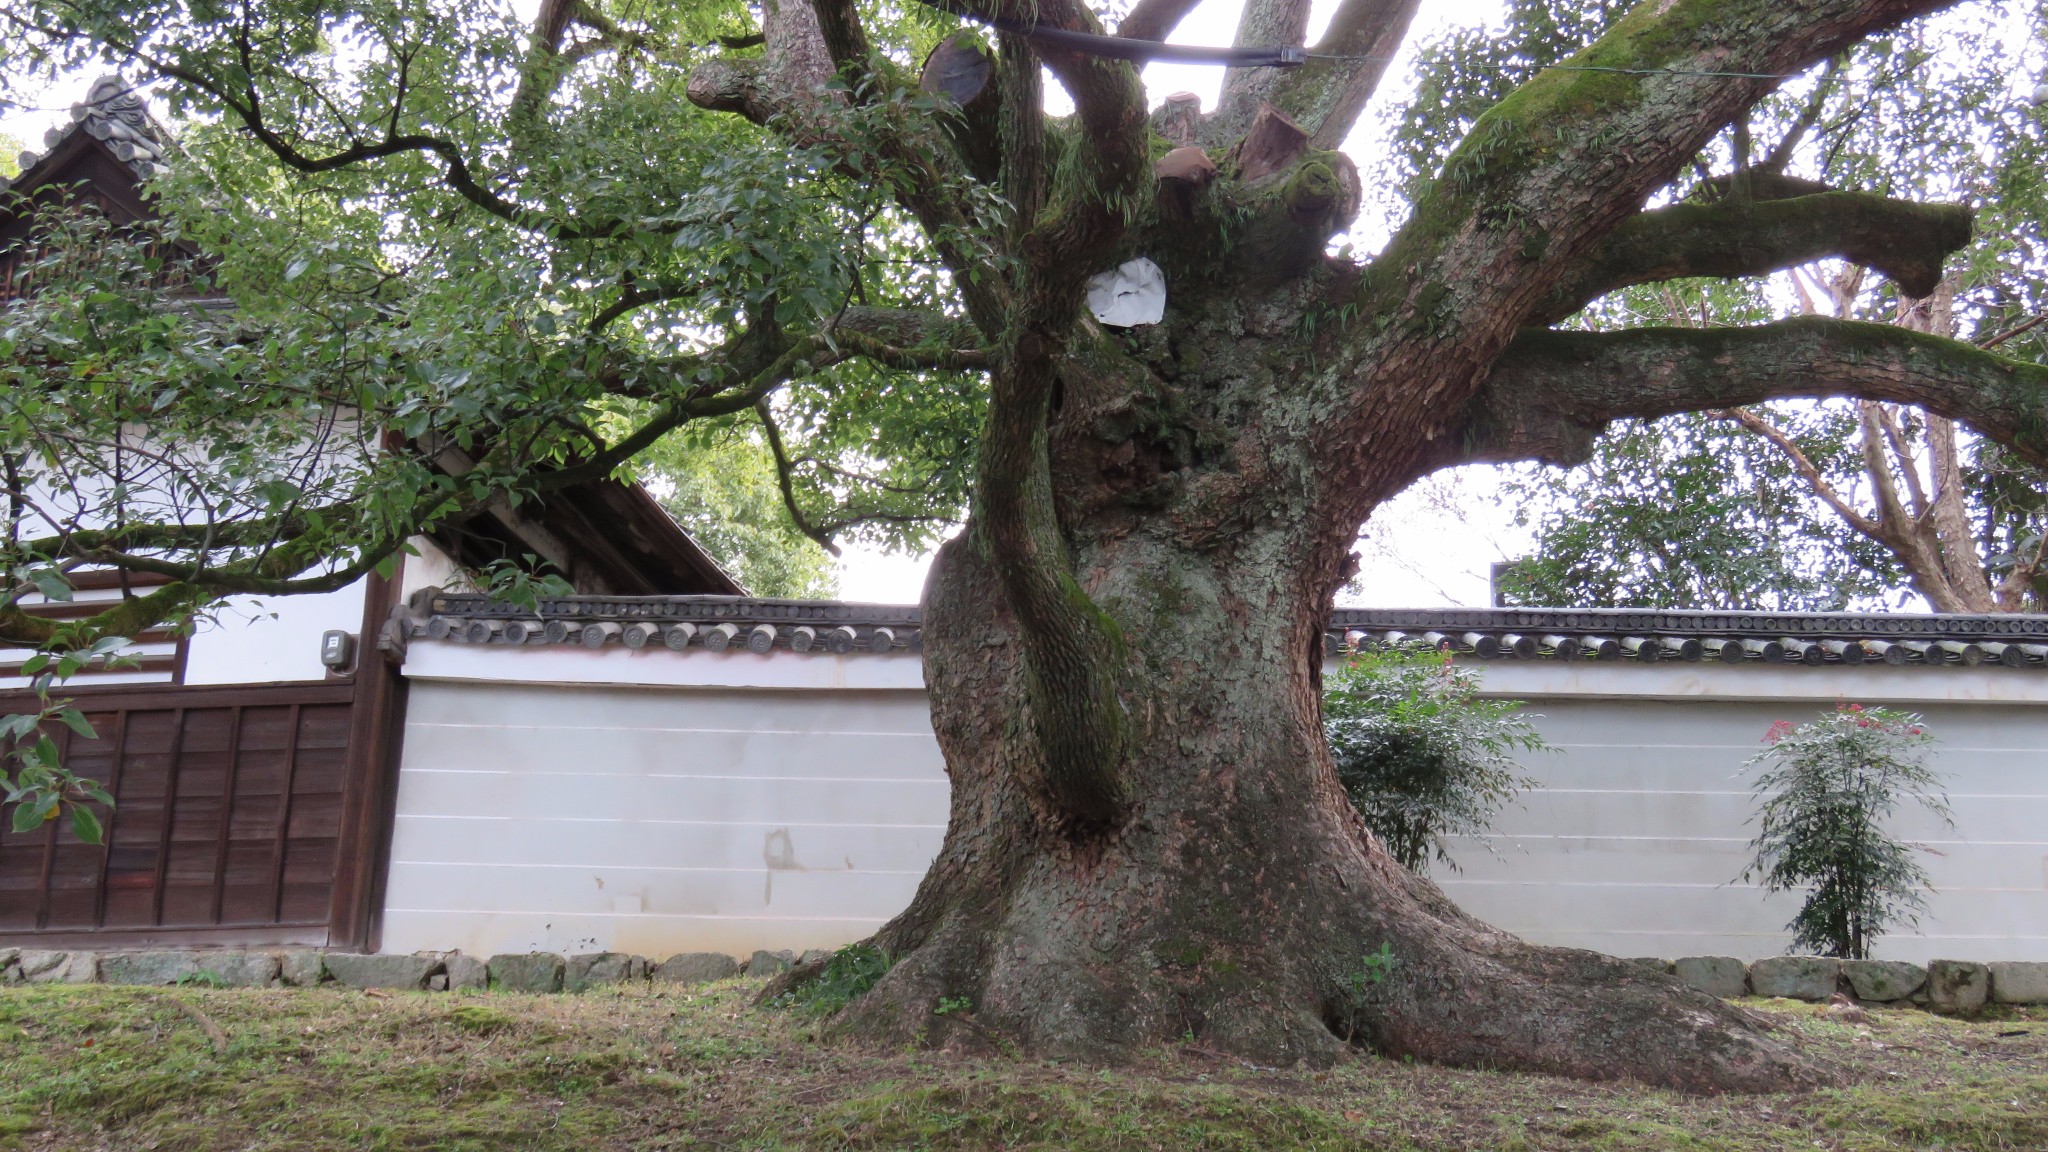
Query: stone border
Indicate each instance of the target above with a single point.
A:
(421, 971)
(1948, 986)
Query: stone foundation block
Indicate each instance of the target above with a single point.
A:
(770, 963)
(1957, 985)
(246, 969)
(466, 973)
(1722, 976)
(526, 972)
(2019, 982)
(301, 967)
(696, 968)
(360, 971)
(10, 965)
(1883, 980)
(1795, 977)
(148, 967)
(39, 967)
(1653, 964)
(592, 969)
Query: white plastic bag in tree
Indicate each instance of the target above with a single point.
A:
(1131, 294)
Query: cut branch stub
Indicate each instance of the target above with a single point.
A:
(1182, 173)
(959, 73)
(957, 70)
(1180, 118)
(1272, 145)
(1190, 166)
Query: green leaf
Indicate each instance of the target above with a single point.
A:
(84, 824)
(76, 721)
(27, 816)
(51, 584)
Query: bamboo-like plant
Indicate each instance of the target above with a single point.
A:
(1824, 793)
(1421, 755)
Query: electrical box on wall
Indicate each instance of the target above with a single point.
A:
(337, 650)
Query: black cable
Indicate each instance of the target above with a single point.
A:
(1125, 48)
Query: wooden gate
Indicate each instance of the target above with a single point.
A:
(243, 815)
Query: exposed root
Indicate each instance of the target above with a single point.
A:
(1508, 1007)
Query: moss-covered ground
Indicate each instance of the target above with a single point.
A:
(190, 1068)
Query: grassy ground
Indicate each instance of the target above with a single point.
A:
(189, 1068)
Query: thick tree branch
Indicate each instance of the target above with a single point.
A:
(1154, 19)
(1263, 23)
(1328, 95)
(1554, 392)
(1549, 172)
(1898, 238)
(541, 71)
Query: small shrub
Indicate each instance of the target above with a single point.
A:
(846, 977)
(1825, 790)
(1420, 754)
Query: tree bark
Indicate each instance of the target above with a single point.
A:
(1241, 903)
(1147, 841)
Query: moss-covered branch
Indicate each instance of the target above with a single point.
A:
(1554, 392)
(1739, 237)
(1548, 173)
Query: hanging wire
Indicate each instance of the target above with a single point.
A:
(1586, 68)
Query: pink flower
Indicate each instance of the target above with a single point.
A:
(1778, 731)
(1855, 707)
(1912, 731)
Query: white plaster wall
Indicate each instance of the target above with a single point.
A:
(574, 800)
(546, 816)
(260, 640)
(264, 639)
(1633, 840)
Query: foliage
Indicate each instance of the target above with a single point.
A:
(32, 773)
(521, 584)
(1825, 790)
(720, 483)
(846, 977)
(1694, 512)
(661, 267)
(1421, 755)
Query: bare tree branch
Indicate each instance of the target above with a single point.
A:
(1802, 463)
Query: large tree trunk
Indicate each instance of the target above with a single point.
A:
(1239, 905)
(1148, 843)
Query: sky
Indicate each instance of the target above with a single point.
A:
(1432, 546)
